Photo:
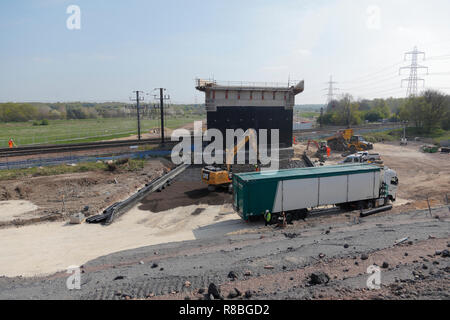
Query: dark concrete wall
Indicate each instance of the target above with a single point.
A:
(255, 118)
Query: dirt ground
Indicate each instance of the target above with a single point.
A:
(421, 175)
(216, 240)
(266, 263)
(185, 210)
(26, 252)
(57, 197)
(184, 194)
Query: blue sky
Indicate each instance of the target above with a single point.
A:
(127, 45)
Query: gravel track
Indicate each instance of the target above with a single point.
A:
(279, 262)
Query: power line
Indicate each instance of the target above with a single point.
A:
(413, 79)
(441, 57)
(438, 88)
(391, 86)
(373, 83)
(161, 98)
(439, 73)
(371, 75)
(393, 90)
(330, 95)
(138, 112)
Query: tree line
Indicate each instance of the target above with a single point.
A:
(427, 112)
(19, 112)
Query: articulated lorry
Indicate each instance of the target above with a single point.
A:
(294, 191)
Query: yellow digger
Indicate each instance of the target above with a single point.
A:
(216, 177)
(345, 140)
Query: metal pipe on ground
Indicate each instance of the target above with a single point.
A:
(376, 210)
(118, 209)
(307, 160)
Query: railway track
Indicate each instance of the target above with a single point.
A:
(43, 149)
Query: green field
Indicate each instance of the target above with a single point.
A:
(393, 135)
(308, 114)
(75, 131)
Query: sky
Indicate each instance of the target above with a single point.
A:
(123, 46)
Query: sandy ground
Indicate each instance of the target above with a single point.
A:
(25, 251)
(272, 263)
(14, 209)
(29, 253)
(57, 197)
(420, 174)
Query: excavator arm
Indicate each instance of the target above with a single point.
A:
(249, 135)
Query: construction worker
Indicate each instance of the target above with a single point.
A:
(328, 151)
(256, 168)
(11, 143)
(267, 217)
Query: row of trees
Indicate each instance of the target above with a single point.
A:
(347, 111)
(18, 112)
(427, 112)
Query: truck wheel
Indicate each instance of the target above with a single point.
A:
(211, 188)
(303, 214)
(361, 205)
(289, 218)
(369, 204)
(274, 218)
(230, 188)
(352, 149)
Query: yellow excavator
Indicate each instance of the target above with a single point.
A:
(216, 177)
(345, 140)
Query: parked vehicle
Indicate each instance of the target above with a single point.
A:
(294, 191)
(362, 157)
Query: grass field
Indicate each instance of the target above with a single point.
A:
(74, 131)
(392, 135)
(308, 114)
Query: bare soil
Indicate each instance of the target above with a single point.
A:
(421, 175)
(270, 263)
(184, 194)
(57, 197)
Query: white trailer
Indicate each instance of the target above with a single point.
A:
(294, 190)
